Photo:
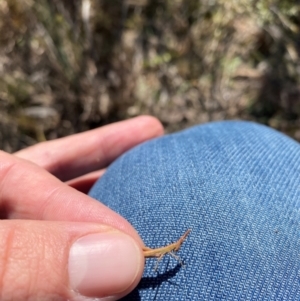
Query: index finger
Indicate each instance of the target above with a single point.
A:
(27, 191)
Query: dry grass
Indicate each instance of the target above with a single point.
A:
(68, 66)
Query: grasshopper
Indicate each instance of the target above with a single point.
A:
(169, 249)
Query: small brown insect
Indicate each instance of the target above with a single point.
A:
(169, 249)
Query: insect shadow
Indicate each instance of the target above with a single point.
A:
(152, 283)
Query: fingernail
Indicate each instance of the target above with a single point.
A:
(104, 264)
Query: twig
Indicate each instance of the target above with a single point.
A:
(169, 249)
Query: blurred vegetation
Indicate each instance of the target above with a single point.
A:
(70, 65)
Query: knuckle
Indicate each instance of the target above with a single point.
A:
(12, 281)
(30, 254)
(18, 267)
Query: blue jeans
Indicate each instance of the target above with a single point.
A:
(237, 186)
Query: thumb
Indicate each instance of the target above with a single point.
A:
(42, 260)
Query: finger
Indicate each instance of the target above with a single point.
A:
(85, 183)
(66, 261)
(76, 155)
(27, 191)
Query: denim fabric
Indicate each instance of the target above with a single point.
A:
(237, 186)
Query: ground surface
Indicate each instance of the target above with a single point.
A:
(68, 66)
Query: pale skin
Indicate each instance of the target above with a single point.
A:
(43, 204)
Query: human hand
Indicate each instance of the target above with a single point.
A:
(80, 159)
(56, 242)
